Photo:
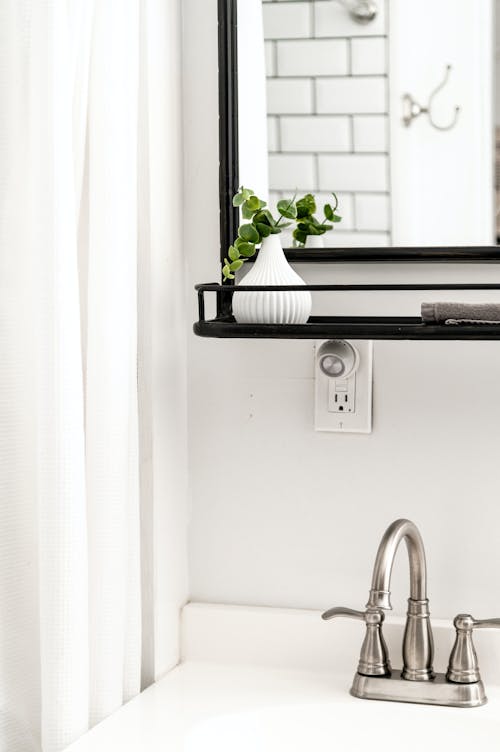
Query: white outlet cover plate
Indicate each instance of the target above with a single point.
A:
(358, 421)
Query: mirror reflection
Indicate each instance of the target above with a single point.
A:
(389, 104)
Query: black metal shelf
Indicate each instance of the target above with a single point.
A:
(403, 254)
(353, 327)
(341, 327)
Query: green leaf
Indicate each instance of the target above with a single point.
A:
(300, 236)
(253, 203)
(246, 213)
(264, 230)
(247, 249)
(287, 208)
(304, 226)
(236, 265)
(307, 204)
(249, 234)
(336, 218)
(233, 253)
(226, 271)
(242, 195)
(276, 230)
(329, 214)
(264, 217)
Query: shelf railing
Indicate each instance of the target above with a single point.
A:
(345, 327)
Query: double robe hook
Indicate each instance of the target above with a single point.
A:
(412, 109)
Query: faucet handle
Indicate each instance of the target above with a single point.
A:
(349, 613)
(373, 659)
(463, 667)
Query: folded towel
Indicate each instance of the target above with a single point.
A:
(461, 313)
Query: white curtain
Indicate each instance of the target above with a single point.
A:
(85, 265)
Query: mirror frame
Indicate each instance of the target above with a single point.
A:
(229, 177)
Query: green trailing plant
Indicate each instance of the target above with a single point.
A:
(260, 223)
(308, 224)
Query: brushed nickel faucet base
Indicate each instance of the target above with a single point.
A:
(438, 691)
(461, 686)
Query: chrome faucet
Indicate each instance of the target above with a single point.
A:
(418, 648)
(461, 686)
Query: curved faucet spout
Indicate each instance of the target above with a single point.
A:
(380, 596)
(417, 642)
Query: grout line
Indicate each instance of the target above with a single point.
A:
(323, 76)
(328, 114)
(339, 115)
(308, 38)
(279, 133)
(351, 125)
(331, 153)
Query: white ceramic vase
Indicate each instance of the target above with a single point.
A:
(314, 241)
(272, 268)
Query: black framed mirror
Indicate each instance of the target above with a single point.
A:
(353, 106)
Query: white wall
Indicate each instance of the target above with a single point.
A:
(285, 516)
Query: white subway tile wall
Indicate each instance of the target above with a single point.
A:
(288, 171)
(270, 50)
(371, 133)
(327, 93)
(372, 212)
(273, 139)
(292, 20)
(353, 172)
(368, 56)
(352, 95)
(317, 134)
(313, 57)
(289, 95)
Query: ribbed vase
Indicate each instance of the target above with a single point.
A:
(272, 268)
(314, 241)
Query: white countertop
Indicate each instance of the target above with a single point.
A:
(277, 680)
(202, 707)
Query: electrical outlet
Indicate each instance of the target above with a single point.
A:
(342, 395)
(343, 386)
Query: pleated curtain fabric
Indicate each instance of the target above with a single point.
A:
(73, 130)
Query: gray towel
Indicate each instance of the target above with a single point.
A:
(461, 313)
